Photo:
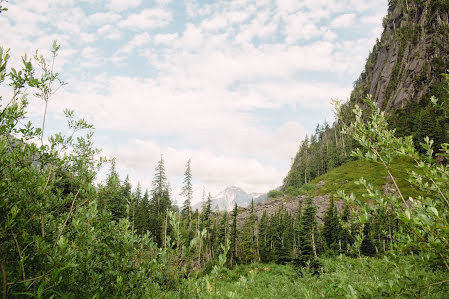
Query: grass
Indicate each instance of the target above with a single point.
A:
(346, 176)
(342, 277)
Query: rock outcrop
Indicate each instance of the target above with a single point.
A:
(289, 204)
(407, 61)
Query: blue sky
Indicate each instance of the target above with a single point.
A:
(233, 85)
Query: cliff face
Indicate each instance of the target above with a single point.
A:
(406, 63)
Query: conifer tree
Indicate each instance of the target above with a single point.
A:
(142, 213)
(297, 230)
(367, 248)
(331, 226)
(248, 238)
(130, 201)
(111, 195)
(264, 238)
(207, 211)
(285, 235)
(160, 203)
(307, 235)
(187, 191)
(345, 236)
(233, 249)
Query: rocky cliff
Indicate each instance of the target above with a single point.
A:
(405, 64)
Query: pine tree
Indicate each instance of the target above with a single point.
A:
(160, 203)
(297, 229)
(345, 236)
(367, 248)
(223, 232)
(207, 211)
(307, 235)
(111, 195)
(248, 239)
(142, 213)
(187, 191)
(264, 238)
(130, 201)
(285, 233)
(233, 249)
(331, 228)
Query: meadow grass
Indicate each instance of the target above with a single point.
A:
(341, 277)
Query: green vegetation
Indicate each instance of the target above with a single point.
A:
(274, 193)
(63, 235)
(341, 277)
(346, 176)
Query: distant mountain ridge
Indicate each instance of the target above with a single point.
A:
(226, 199)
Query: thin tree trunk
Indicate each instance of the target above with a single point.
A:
(5, 282)
(134, 209)
(313, 246)
(165, 230)
(43, 122)
(20, 256)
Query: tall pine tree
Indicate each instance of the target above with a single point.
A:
(187, 192)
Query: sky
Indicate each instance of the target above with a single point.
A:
(232, 85)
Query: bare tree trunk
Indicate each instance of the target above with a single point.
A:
(343, 144)
(313, 246)
(134, 209)
(336, 136)
(5, 282)
(165, 230)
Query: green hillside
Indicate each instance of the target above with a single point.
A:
(345, 178)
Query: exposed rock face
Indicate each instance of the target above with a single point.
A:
(410, 56)
(291, 205)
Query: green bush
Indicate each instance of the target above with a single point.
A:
(274, 193)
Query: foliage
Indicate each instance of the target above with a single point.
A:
(423, 218)
(274, 193)
(342, 277)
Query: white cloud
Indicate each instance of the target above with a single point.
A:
(343, 21)
(109, 32)
(102, 18)
(198, 91)
(137, 41)
(87, 37)
(121, 5)
(146, 19)
(165, 39)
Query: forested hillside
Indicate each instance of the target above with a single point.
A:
(382, 229)
(402, 73)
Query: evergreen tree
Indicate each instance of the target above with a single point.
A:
(223, 232)
(307, 235)
(207, 211)
(187, 191)
(285, 232)
(233, 249)
(160, 203)
(297, 229)
(111, 195)
(142, 213)
(248, 240)
(331, 227)
(264, 238)
(345, 236)
(367, 248)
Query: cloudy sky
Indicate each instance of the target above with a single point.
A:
(234, 85)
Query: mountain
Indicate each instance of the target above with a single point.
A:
(226, 199)
(401, 74)
(405, 65)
